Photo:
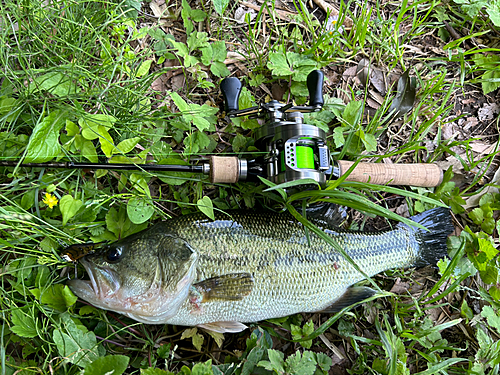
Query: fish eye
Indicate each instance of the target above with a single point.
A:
(114, 254)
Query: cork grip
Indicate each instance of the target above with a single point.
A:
(224, 169)
(425, 175)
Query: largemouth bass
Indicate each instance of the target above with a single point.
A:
(246, 267)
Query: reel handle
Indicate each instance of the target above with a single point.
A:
(421, 174)
(315, 81)
(231, 89)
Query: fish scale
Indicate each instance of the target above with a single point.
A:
(247, 267)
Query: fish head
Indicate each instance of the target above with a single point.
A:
(146, 276)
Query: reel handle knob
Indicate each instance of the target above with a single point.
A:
(315, 86)
(231, 89)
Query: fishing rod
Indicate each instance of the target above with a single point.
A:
(292, 149)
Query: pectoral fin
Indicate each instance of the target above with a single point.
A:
(351, 296)
(223, 327)
(230, 287)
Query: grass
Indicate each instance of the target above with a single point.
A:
(77, 84)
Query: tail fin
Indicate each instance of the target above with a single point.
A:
(432, 242)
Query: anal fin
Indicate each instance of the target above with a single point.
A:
(350, 297)
(223, 327)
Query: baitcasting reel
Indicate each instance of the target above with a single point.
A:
(294, 150)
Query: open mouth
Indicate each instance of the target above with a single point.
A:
(102, 283)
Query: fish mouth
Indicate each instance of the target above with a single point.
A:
(100, 289)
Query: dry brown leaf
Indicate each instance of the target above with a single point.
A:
(376, 96)
(160, 84)
(340, 356)
(377, 79)
(488, 111)
(284, 15)
(400, 287)
(177, 82)
(473, 201)
(332, 11)
(363, 71)
(240, 13)
(372, 103)
(482, 148)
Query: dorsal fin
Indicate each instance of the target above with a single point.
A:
(327, 215)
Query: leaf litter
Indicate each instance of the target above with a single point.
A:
(478, 111)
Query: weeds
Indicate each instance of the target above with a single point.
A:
(82, 81)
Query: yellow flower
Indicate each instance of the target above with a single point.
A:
(50, 200)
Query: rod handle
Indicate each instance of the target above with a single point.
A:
(420, 174)
(224, 169)
(231, 89)
(315, 87)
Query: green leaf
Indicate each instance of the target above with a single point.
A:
(130, 8)
(490, 81)
(352, 112)
(28, 199)
(301, 66)
(206, 206)
(74, 345)
(155, 371)
(491, 316)
(304, 364)
(472, 7)
(299, 333)
(69, 206)
(144, 68)
(163, 351)
(276, 361)
(494, 292)
(197, 40)
(219, 51)
(88, 151)
(139, 210)
(240, 142)
(284, 185)
(109, 365)
(466, 311)
(196, 142)
(324, 362)
(24, 325)
(107, 144)
(369, 140)
(197, 15)
(44, 144)
(279, 65)
(91, 124)
(202, 368)
(253, 359)
(493, 10)
(196, 337)
(126, 145)
(405, 98)
(71, 128)
(220, 6)
(56, 83)
(58, 296)
(219, 69)
(477, 216)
